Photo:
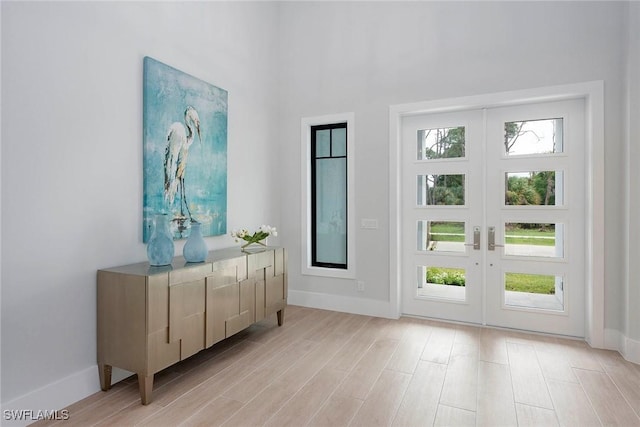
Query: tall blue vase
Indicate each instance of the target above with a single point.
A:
(160, 249)
(195, 249)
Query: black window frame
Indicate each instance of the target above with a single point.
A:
(314, 158)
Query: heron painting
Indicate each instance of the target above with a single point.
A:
(185, 151)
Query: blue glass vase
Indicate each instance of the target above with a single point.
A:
(160, 249)
(195, 249)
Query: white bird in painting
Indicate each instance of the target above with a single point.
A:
(179, 139)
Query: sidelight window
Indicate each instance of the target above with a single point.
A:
(328, 196)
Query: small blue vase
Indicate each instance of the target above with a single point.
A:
(160, 249)
(195, 249)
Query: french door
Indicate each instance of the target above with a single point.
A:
(493, 216)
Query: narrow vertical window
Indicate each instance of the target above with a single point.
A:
(329, 195)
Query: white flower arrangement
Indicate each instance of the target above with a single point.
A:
(257, 237)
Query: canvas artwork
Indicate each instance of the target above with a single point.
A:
(185, 151)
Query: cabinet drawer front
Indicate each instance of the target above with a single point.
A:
(235, 269)
(185, 300)
(274, 294)
(189, 274)
(192, 340)
(225, 276)
(260, 285)
(279, 265)
(158, 297)
(248, 297)
(239, 322)
(222, 303)
(160, 352)
(260, 260)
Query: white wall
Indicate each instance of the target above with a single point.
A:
(72, 160)
(363, 57)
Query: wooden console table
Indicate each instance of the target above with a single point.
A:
(152, 317)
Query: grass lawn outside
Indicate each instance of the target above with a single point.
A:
(533, 283)
(454, 232)
(519, 282)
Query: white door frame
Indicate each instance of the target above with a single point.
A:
(593, 94)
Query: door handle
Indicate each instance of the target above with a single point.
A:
(491, 239)
(476, 239)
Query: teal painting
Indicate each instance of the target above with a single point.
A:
(185, 151)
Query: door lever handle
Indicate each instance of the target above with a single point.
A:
(491, 239)
(476, 239)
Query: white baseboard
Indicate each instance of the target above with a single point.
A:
(628, 348)
(365, 306)
(54, 397)
(631, 350)
(612, 339)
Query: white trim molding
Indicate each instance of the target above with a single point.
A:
(305, 138)
(628, 348)
(57, 395)
(341, 303)
(593, 94)
(631, 350)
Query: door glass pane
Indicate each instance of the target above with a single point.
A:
(534, 239)
(331, 211)
(441, 143)
(440, 236)
(535, 188)
(442, 282)
(539, 291)
(533, 137)
(440, 190)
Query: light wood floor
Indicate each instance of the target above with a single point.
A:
(323, 368)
